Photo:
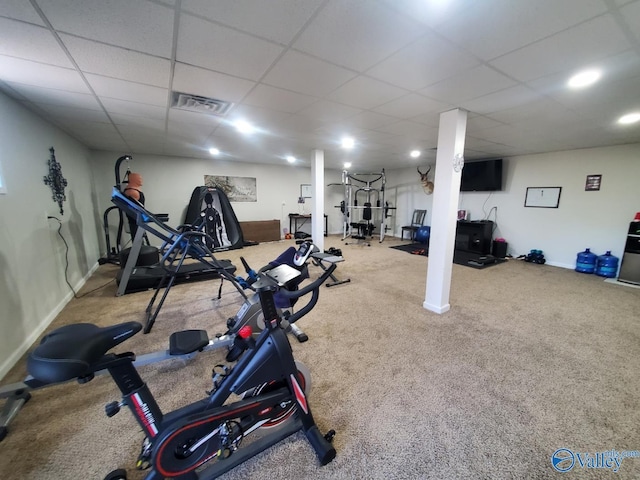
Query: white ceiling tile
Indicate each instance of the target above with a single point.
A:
(472, 83)
(40, 75)
(90, 128)
(546, 110)
(357, 33)
(620, 3)
(612, 101)
(277, 20)
(20, 10)
(193, 118)
(573, 48)
(123, 90)
(411, 105)
(136, 24)
(304, 74)
(371, 120)
(262, 119)
(56, 97)
(138, 121)
(410, 129)
(308, 101)
(198, 81)
(430, 13)
(204, 44)
(31, 42)
(414, 66)
(94, 57)
(502, 100)
(192, 133)
(615, 69)
(278, 99)
(138, 134)
(476, 123)
(364, 92)
(494, 27)
(631, 17)
(124, 107)
(329, 111)
(72, 113)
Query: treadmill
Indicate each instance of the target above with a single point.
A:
(177, 247)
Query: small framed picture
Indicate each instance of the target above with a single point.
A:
(593, 183)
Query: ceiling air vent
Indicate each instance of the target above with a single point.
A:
(196, 103)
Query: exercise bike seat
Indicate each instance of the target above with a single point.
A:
(73, 350)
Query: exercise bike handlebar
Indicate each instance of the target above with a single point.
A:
(293, 294)
(312, 287)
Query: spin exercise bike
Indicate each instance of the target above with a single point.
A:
(206, 438)
(186, 344)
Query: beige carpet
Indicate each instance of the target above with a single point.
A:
(530, 359)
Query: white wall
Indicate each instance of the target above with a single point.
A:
(32, 255)
(595, 219)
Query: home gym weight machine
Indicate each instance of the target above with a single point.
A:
(209, 437)
(359, 218)
(185, 345)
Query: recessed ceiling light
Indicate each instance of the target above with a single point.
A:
(347, 164)
(214, 151)
(244, 127)
(629, 118)
(415, 153)
(348, 142)
(584, 79)
(291, 159)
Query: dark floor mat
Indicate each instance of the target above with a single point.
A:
(467, 259)
(475, 260)
(414, 248)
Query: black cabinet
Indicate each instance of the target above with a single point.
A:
(474, 236)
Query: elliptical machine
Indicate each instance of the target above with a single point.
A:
(204, 439)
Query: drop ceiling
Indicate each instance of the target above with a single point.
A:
(307, 72)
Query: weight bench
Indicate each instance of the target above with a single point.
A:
(318, 258)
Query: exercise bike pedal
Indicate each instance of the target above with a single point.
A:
(112, 408)
(330, 435)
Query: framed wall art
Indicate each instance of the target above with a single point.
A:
(593, 183)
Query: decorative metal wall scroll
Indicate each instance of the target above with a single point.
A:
(56, 181)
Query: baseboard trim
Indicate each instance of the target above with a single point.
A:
(437, 308)
(24, 347)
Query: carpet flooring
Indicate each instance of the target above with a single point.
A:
(530, 359)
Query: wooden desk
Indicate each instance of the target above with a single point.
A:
(296, 220)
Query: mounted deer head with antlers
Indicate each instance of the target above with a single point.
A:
(427, 184)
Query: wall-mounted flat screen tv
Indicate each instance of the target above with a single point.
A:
(481, 176)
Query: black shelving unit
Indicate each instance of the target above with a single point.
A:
(630, 267)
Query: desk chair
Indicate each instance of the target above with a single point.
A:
(417, 220)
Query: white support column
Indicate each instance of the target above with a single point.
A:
(451, 134)
(317, 187)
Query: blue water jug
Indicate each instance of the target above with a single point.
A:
(607, 265)
(586, 262)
